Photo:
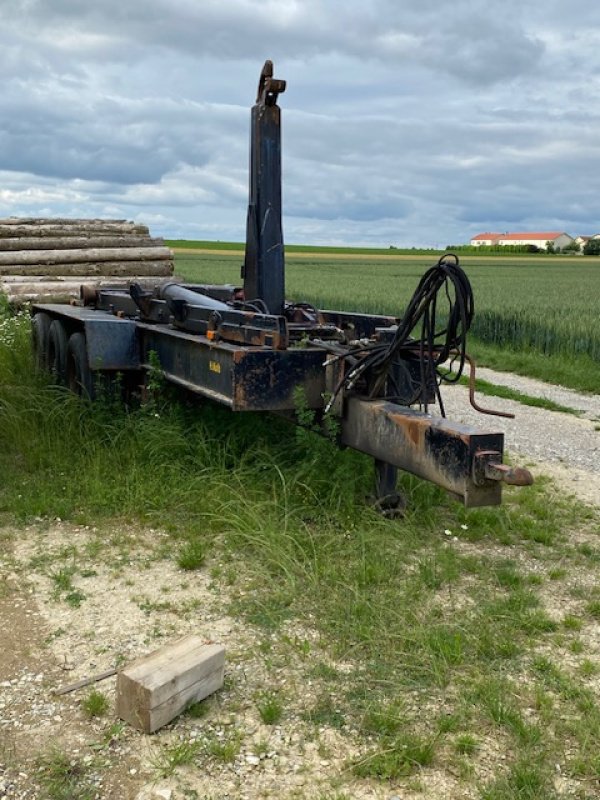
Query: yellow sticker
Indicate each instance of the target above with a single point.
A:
(214, 366)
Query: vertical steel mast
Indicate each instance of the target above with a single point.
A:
(264, 267)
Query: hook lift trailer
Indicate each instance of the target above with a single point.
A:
(249, 349)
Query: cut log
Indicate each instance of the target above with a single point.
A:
(62, 221)
(78, 242)
(88, 268)
(66, 290)
(11, 229)
(153, 690)
(81, 256)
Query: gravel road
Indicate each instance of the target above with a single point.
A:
(565, 446)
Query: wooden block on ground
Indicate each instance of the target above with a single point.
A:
(156, 688)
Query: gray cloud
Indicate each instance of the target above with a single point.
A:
(410, 123)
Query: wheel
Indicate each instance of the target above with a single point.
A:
(40, 330)
(57, 351)
(78, 372)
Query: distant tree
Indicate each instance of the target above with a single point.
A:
(550, 247)
(592, 247)
(572, 247)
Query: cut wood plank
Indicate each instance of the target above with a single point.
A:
(89, 254)
(153, 690)
(78, 241)
(162, 267)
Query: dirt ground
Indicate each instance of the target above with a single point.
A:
(132, 606)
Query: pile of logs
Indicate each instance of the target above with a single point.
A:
(50, 259)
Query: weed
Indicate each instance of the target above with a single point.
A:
(74, 598)
(398, 758)
(557, 573)
(325, 712)
(224, 749)
(63, 579)
(113, 733)
(587, 668)
(572, 623)
(95, 704)
(270, 708)
(526, 780)
(192, 555)
(593, 609)
(172, 756)
(63, 777)
(466, 744)
(198, 710)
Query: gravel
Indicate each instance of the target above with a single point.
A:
(587, 404)
(567, 447)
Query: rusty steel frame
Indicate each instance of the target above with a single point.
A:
(432, 448)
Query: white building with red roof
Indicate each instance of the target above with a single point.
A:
(540, 239)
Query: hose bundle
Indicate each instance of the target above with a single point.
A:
(435, 345)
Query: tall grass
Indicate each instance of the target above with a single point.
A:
(201, 463)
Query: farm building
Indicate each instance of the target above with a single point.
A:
(485, 239)
(538, 238)
(583, 240)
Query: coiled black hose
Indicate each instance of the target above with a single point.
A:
(434, 346)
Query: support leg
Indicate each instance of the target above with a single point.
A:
(388, 499)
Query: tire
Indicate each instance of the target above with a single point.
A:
(57, 351)
(79, 377)
(40, 332)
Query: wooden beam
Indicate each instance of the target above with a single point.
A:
(153, 690)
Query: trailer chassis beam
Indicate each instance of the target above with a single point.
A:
(459, 458)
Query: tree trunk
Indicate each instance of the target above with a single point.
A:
(77, 242)
(62, 291)
(86, 268)
(87, 255)
(76, 228)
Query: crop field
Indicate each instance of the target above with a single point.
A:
(534, 315)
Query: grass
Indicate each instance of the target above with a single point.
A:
(176, 755)
(270, 708)
(445, 640)
(62, 777)
(239, 247)
(95, 704)
(192, 554)
(494, 390)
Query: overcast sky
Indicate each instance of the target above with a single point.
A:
(405, 122)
